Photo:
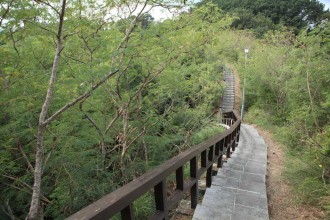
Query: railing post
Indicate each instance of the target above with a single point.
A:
(179, 178)
(219, 164)
(161, 198)
(217, 149)
(203, 159)
(238, 132)
(194, 188)
(127, 213)
(227, 144)
(233, 140)
(209, 170)
(122, 200)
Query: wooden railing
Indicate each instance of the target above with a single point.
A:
(200, 158)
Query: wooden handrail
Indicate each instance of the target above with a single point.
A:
(209, 152)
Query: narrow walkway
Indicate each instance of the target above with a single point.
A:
(238, 192)
(228, 99)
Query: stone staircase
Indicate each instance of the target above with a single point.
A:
(228, 99)
(238, 192)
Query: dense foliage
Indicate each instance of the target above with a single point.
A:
(288, 92)
(265, 15)
(163, 83)
(287, 75)
(130, 92)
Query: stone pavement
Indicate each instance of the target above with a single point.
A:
(228, 95)
(238, 192)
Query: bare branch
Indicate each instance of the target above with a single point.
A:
(91, 120)
(72, 58)
(36, 191)
(69, 35)
(80, 98)
(39, 61)
(5, 12)
(24, 184)
(14, 42)
(8, 211)
(138, 136)
(113, 121)
(49, 5)
(47, 159)
(131, 27)
(39, 26)
(25, 157)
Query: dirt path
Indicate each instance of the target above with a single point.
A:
(282, 203)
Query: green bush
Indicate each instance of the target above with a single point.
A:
(305, 172)
(206, 133)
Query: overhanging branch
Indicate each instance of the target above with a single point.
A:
(80, 98)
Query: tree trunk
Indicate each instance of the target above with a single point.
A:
(35, 206)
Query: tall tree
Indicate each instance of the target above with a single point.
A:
(157, 94)
(35, 201)
(293, 13)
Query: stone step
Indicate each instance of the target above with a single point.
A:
(227, 103)
(238, 191)
(228, 100)
(253, 167)
(227, 106)
(227, 109)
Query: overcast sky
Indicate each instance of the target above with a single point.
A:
(326, 2)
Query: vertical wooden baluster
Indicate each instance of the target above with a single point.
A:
(217, 149)
(161, 198)
(221, 143)
(194, 188)
(237, 137)
(227, 144)
(179, 178)
(209, 170)
(233, 140)
(238, 132)
(203, 159)
(127, 213)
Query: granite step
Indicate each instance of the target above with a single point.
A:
(238, 191)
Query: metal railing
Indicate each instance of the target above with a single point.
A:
(200, 158)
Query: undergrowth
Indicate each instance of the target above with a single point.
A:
(305, 165)
(207, 132)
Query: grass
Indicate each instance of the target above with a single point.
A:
(206, 133)
(303, 166)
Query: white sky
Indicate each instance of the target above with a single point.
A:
(326, 2)
(160, 13)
